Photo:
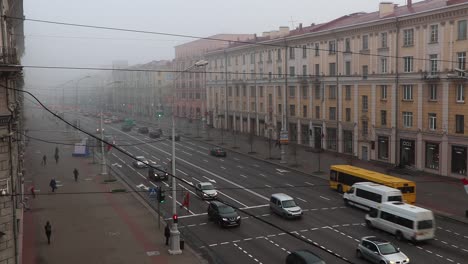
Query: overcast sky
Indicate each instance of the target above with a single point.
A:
(56, 45)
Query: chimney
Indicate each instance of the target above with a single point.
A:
(283, 31)
(300, 26)
(386, 8)
(409, 3)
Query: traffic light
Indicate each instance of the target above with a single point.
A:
(161, 196)
(175, 218)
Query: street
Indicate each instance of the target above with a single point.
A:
(247, 184)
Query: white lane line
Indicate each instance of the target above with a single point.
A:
(205, 160)
(223, 168)
(290, 185)
(255, 206)
(181, 172)
(190, 154)
(139, 173)
(311, 184)
(301, 199)
(325, 198)
(187, 216)
(242, 175)
(263, 175)
(191, 143)
(232, 198)
(190, 148)
(203, 148)
(202, 169)
(202, 153)
(221, 159)
(155, 158)
(267, 185)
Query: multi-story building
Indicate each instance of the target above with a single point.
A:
(190, 80)
(141, 89)
(386, 86)
(11, 136)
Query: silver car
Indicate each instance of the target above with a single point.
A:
(206, 190)
(380, 251)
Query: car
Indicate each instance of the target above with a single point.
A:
(159, 174)
(206, 190)
(378, 250)
(143, 130)
(140, 163)
(107, 121)
(154, 134)
(98, 130)
(223, 215)
(176, 138)
(126, 128)
(303, 257)
(218, 152)
(285, 206)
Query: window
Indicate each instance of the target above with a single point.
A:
(347, 68)
(304, 51)
(348, 115)
(304, 91)
(459, 124)
(383, 39)
(291, 53)
(243, 59)
(280, 108)
(292, 71)
(317, 69)
(408, 64)
(461, 59)
(407, 92)
(278, 58)
(383, 92)
(317, 91)
(369, 195)
(348, 92)
(461, 29)
(407, 119)
(252, 58)
(460, 93)
(383, 117)
(237, 91)
(365, 71)
(433, 92)
(331, 138)
(292, 110)
(278, 91)
(317, 112)
(433, 64)
(304, 70)
(434, 34)
(280, 72)
(253, 107)
(365, 128)
(383, 147)
(347, 45)
(383, 65)
(260, 90)
(332, 69)
(332, 92)
(252, 91)
(365, 103)
(244, 90)
(230, 90)
(432, 121)
(292, 91)
(408, 37)
(365, 42)
(332, 114)
(331, 47)
(317, 49)
(304, 110)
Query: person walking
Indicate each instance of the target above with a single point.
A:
(56, 158)
(33, 192)
(44, 160)
(53, 185)
(167, 233)
(76, 173)
(48, 231)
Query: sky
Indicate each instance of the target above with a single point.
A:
(59, 45)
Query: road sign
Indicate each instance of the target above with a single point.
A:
(153, 192)
(284, 137)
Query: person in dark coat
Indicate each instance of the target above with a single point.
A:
(53, 185)
(167, 234)
(48, 231)
(44, 160)
(76, 173)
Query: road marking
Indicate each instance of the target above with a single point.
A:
(236, 159)
(325, 198)
(181, 172)
(232, 198)
(221, 159)
(223, 168)
(190, 148)
(255, 206)
(279, 173)
(155, 158)
(242, 175)
(190, 154)
(205, 160)
(301, 199)
(141, 175)
(263, 175)
(267, 185)
(311, 184)
(202, 153)
(289, 185)
(240, 167)
(211, 180)
(203, 147)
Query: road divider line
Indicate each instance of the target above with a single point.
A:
(181, 172)
(311, 184)
(301, 199)
(325, 198)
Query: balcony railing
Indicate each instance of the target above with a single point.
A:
(8, 56)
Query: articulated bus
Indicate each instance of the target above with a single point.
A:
(342, 177)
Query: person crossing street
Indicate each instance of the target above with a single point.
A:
(75, 174)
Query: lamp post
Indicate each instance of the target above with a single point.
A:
(175, 234)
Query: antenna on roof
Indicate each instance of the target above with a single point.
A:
(292, 23)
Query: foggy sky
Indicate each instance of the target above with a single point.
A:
(56, 45)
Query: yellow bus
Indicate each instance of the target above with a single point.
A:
(342, 177)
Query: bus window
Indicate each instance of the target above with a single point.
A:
(394, 199)
(333, 175)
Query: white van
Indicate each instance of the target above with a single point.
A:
(368, 195)
(405, 221)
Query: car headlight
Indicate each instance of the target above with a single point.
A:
(407, 260)
(391, 262)
(205, 194)
(224, 219)
(238, 217)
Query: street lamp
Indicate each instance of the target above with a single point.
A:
(175, 234)
(76, 91)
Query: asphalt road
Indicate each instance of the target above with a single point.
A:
(247, 183)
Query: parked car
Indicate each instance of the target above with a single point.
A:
(303, 257)
(98, 130)
(206, 190)
(176, 138)
(223, 215)
(126, 128)
(107, 121)
(218, 152)
(143, 130)
(379, 251)
(140, 163)
(285, 206)
(158, 175)
(155, 133)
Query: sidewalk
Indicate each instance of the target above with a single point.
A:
(89, 223)
(443, 195)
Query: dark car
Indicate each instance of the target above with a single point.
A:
(155, 133)
(223, 215)
(218, 152)
(157, 175)
(303, 257)
(126, 128)
(143, 130)
(176, 138)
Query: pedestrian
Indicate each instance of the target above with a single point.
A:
(44, 160)
(48, 231)
(167, 233)
(76, 173)
(33, 192)
(53, 185)
(56, 151)
(56, 158)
